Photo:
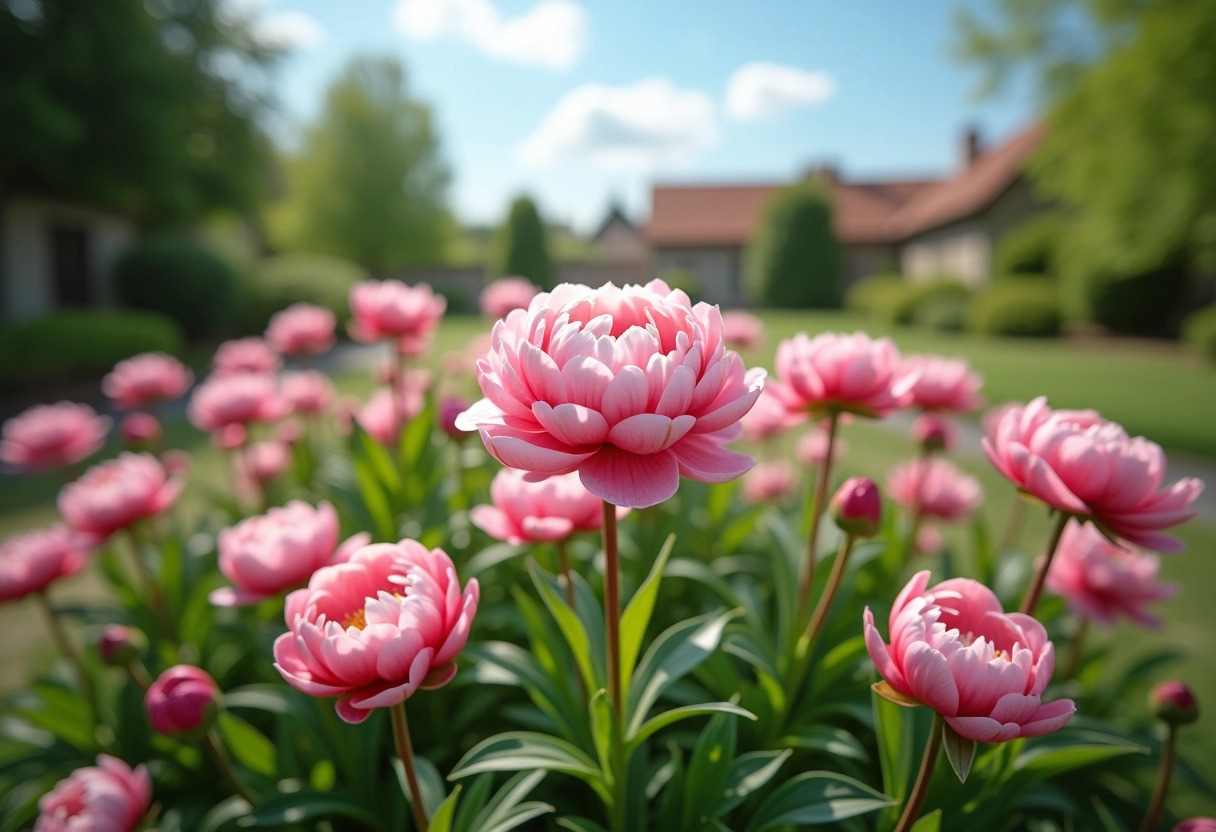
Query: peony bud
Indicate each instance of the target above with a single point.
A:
(449, 409)
(139, 429)
(857, 507)
(934, 432)
(183, 700)
(119, 645)
(1173, 703)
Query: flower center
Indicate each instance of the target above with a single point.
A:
(357, 619)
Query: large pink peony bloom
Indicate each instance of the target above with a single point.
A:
(954, 649)
(769, 482)
(32, 561)
(390, 309)
(302, 329)
(836, 373)
(631, 387)
(1078, 463)
(529, 512)
(742, 330)
(224, 400)
(1103, 581)
(182, 700)
(505, 295)
(376, 629)
(306, 392)
(52, 435)
(935, 487)
(271, 553)
(146, 379)
(943, 383)
(108, 797)
(114, 494)
(246, 355)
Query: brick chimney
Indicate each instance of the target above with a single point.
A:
(972, 147)
(824, 173)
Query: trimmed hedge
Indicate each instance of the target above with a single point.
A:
(794, 261)
(1031, 249)
(1145, 303)
(1026, 308)
(181, 277)
(873, 296)
(938, 303)
(81, 342)
(275, 283)
(1200, 330)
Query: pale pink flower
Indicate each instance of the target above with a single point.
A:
(530, 512)
(265, 461)
(237, 399)
(742, 330)
(935, 488)
(767, 418)
(229, 437)
(52, 435)
(306, 392)
(955, 650)
(630, 387)
(108, 797)
(836, 373)
(302, 329)
(288, 432)
(1078, 463)
(769, 482)
(1103, 581)
(935, 431)
(117, 493)
(390, 309)
(33, 561)
(139, 428)
(505, 295)
(928, 539)
(940, 383)
(812, 448)
(385, 415)
(183, 700)
(271, 553)
(146, 379)
(246, 355)
(376, 629)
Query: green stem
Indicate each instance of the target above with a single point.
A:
(1157, 805)
(1013, 526)
(64, 643)
(1076, 647)
(1036, 587)
(219, 755)
(829, 593)
(818, 501)
(156, 598)
(921, 788)
(401, 738)
(612, 623)
(563, 564)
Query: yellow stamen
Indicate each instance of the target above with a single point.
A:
(357, 619)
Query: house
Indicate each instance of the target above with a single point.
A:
(619, 240)
(920, 226)
(55, 253)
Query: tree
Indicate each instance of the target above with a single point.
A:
(132, 105)
(794, 262)
(522, 246)
(370, 184)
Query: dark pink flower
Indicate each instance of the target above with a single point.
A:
(119, 645)
(385, 309)
(505, 295)
(836, 373)
(110, 797)
(302, 329)
(237, 399)
(117, 493)
(246, 355)
(139, 429)
(32, 561)
(450, 407)
(146, 379)
(530, 512)
(385, 415)
(52, 435)
(1174, 702)
(856, 507)
(935, 488)
(306, 392)
(1197, 825)
(934, 431)
(183, 700)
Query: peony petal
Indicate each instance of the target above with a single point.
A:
(626, 479)
(929, 678)
(1050, 717)
(704, 460)
(533, 452)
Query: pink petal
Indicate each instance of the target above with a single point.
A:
(546, 528)
(929, 678)
(626, 479)
(494, 522)
(625, 395)
(704, 460)
(532, 452)
(572, 424)
(1050, 717)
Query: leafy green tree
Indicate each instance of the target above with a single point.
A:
(794, 261)
(522, 247)
(133, 105)
(370, 184)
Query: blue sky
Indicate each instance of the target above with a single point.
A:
(580, 102)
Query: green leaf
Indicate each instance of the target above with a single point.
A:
(1044, 763)
(603, 728)
(931, 822)
(835, 742)
(636, 617)
(580, 825)
(222, 814)
(505, 810)
(960, 751)
(748, 773)
(708, 769)
(817, 797)
(441, 821)
(893, 728)
(248, 745)
(666, 718)
(522, 750)
(297, 807)
(569, 623)
(430, 783)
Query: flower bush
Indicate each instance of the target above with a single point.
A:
(381, 625)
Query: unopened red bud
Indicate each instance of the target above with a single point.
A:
(857, 507)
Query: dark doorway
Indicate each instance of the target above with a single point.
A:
(70, 265)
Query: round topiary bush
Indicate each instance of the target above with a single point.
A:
(277, 282)
(932, 302)
(1200, 330)
(1030, 249)
(178, 276)
(1025, 308)
(794, 262)
(879, 295)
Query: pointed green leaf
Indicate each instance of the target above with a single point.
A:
(637, 613)
(247, 744)
(505, 810)
(817, 797)
(580, 825)
(931, 822)
(708, 769)
(835, 742)
(296, 807)
(960, 751)
(603, 728)
(522, 750)
(666, 718)
(441, 821)
(749, 773)
(569, 623)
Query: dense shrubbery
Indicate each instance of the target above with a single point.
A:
(794, 260)
(876, 295)
(1027, 308)
(936, 303)
(686, 280)
(1031, 249)
(179, 276)
(276, 282)
(1140, 303)
(1200, 331)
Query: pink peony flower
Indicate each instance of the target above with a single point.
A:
(936, 488)
(1197, 825)
(271, 553)
(934, 431)
(1078, 463)
(1174, 703)
(32, 561)
(237, 399)
(943, 383)
(812, 448)
(856, 507)
(146, 379)
(182, 700)
(52, 435)
(302, 329)
(117, 493)
(630, 387)
(742, 330)
(531, 512)
(1103, 581)
(450, 407)
(246, 355)
(139, 428)
(767, 418)
(265, 461)
(119, 645)
(835, 373)
(390, 309)
(954, 649)
(108, 797)
(505, 295)
(307, 392)
(383, 420)
(229, 437)
(769, 482)
(928, 539)
(376, 629)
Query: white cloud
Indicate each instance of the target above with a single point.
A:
(760, 89)
(288, 30)
(638, 127)
(551, 34)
